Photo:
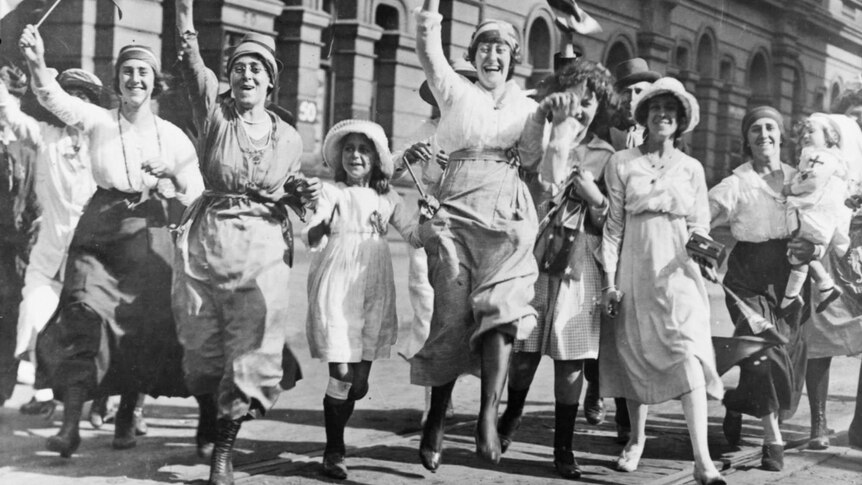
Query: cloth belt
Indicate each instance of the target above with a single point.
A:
(499, 154)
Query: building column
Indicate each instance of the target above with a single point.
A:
(785, 52)
(353, 63)
(655, 49)
(708, 92)
(399, 108)
(732, 105)
(298, 46)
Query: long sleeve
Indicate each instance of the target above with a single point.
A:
(201, 82)
(723, 199)
(71, 110)
(533, 141)
(698, 219)
(25, 127)
(442, 79)
(615, 223)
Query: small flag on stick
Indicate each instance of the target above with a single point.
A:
(57, 2)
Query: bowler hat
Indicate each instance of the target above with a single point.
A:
(633, 71)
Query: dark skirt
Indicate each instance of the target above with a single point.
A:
(114, 332)
(758, 273)
(11, 284)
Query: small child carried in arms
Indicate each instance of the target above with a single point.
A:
(816, 210)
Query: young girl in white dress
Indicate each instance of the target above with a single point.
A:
(351, 289)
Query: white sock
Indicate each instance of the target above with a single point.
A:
(43, 395)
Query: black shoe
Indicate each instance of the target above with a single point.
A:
(594, 405)
(207, 431)
(66, 442)
(431, 447)
(506, 428)
(829, 296)
(334, 466)
(819, 430)
(124, 427)
(221, 465)
(773, 458)
(732, 427)
(564, 462)
(39, 408)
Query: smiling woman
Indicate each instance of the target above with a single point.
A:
(231, 278)
(662, 348)
(486, 217)
(115, 333)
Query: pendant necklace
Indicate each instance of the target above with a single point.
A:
(125, 159)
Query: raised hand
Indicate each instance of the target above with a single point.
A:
(32, 46)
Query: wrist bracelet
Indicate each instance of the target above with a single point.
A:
(606, 288)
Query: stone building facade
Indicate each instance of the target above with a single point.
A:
(355, 58)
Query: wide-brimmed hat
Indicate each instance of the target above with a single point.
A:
(461, 66)
(669, 85)
(262, 46)
(633, 71)
(75, 78)
(374, 132)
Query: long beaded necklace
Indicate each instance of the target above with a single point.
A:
(254, 154)
(123, 144)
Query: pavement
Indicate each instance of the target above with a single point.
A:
(383, 434)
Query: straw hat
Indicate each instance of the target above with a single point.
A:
(461, 66)
(374, 132)
(669, 85)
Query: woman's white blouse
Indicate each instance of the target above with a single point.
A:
(470, 118)
(745, 202)
(117, 162)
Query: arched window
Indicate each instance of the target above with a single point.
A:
(726, 69)
(383, 85)
(705, 56)
(539, 44)
(618, 53)
(834, 92)
(386, 17)
(758, 80)
(539, 51)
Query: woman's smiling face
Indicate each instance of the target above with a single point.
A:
(492, 61)
(663, 115)
(764, 139)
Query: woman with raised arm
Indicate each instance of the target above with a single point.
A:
(114, 330)
(234, 251)
(660, 346)
(480, 242)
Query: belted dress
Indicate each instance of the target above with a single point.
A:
(480, 242)
(114, 332)
(230, 292)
